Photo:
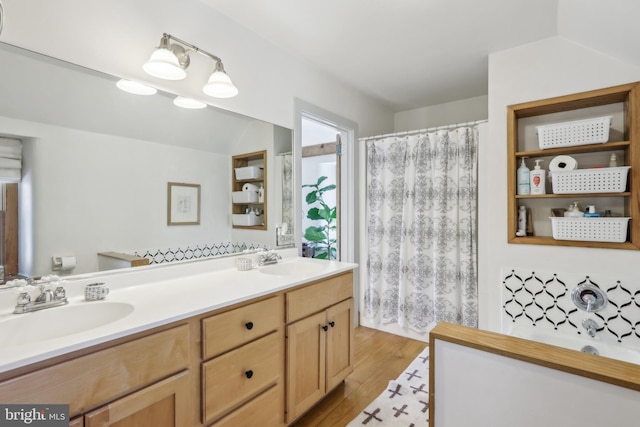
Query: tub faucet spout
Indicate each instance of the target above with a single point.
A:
(591, 326)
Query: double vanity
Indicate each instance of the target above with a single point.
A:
(186, 345)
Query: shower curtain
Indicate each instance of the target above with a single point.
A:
(284, 193)
(421, 228)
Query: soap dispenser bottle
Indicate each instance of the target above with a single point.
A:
(524, 187)
(537, 179)
(575, 211)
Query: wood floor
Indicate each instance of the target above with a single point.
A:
(379, 358)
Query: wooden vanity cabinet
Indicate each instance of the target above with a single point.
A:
(225, 368)
(319, 341)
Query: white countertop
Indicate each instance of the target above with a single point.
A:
(187, 290)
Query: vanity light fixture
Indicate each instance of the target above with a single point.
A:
(190, 103)
(170, 60)
(135, 87)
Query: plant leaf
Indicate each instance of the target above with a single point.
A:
(312, 197)
(315, 234)
(320, 180)
(314, 213)
(327, 188)
(324, 213)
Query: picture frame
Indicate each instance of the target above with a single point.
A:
(183, 204)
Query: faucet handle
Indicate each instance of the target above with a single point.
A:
(60, 293)
(24, 298)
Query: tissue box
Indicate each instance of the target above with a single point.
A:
(245, 196)
(249, 172)
(246, 219)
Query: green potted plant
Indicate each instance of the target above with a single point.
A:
(320, 235)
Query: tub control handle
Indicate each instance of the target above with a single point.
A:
(589, 298)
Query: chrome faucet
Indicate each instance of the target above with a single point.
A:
(591, 326)
(46, 299)
(268, 257)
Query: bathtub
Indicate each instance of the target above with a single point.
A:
(579, 343)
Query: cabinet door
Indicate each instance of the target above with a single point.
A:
(77, 422)
(339, 342)
(164, 404)
(306, 346)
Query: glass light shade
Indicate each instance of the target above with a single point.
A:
(220, 86)
(164, 65)
(135, 87)
(190, 103)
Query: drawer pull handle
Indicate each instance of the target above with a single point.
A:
(332, 324)
(249, 374)
(325, 328)
(249, 325)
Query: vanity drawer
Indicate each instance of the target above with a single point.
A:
(314, 298)
(265, 410)
(229, 330)
(232, 379)
(96, 378)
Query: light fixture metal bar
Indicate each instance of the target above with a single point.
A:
(193, 47)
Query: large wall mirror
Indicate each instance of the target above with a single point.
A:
(97, 161)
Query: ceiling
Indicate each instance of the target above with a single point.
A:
(405, 53)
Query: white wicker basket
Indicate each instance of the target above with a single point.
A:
(577, 132)
(590, 229)
(599, 180)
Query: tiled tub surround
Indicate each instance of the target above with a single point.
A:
(160, 294)
(537, 305)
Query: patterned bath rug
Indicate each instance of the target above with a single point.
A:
(405, 401)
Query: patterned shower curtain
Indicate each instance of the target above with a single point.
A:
(284, 192)
(421, 213)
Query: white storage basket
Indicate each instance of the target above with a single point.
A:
(245, 196)
(577, 132)
(246, 220)
(590, 229)
(599, 180)
(249, 172)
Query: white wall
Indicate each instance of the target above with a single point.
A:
(548, 68)
(465, 110)
(118, 36)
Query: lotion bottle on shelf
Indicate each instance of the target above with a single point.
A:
(261, 194)
(524, 187)
(537, 179)
(522, 222)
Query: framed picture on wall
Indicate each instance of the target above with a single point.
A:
(183, 204)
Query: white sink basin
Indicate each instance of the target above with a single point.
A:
(56, 322)
(292, 268)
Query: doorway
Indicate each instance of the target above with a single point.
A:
(321, 213)
(325, 148)
(346, 178)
